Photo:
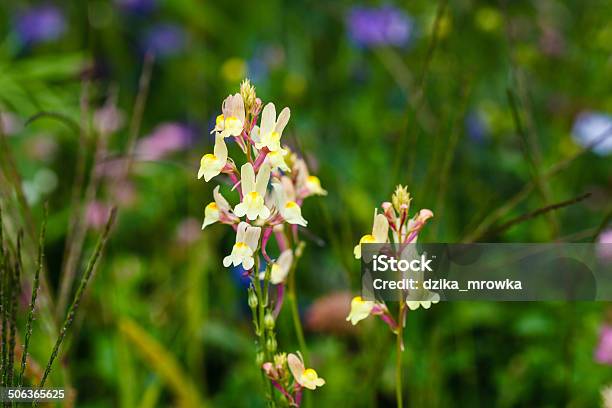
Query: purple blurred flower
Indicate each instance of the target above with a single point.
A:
(371, 27)
(476, 127)
(136, 6)
(40, 24)
(590, 127)
(166, 138)
(603, 352)
(165, 40)
(604, 247)
(97, 213)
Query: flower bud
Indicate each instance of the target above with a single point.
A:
(247, 91)
(269, 321)
(252, 300)
(401, 197)
(259, 358)
(271, 344)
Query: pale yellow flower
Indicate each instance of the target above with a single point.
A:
(212, 164)
(247, 240)
(271, 130)
(280, 267)
(287, 207)
(360, 309)
(276, 160)
(253, 192)
(213, 210)
(306, 377)
(380, 230)
(314, 186)
(231, 121)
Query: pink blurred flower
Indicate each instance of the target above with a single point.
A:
(328, 314)
(603, 352)
(604, 252)
(108, 119)
(10, 123)
(166, 138)
(97, 214)
(188, 231)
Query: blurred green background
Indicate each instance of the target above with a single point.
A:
(484, 109)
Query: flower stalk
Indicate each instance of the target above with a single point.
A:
(272, 183)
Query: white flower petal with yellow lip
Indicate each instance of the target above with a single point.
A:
(221, 202)
(276, 160)
(313, 184)
(253, 193)
(360, 309)
(366, 239)
(211, 214)
(288, 209)
(280, 268)
(247, 240)
(269, 133)
(231, 122)
(306, 377)
(380, 232)
(292, 213)
(212, 164)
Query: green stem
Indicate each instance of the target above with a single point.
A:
(398, 356)
(295, 313)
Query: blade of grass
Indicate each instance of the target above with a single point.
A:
(35, 285)
(531, 156)
(79, 294)
(412, 109)
(163, 363)
(3, 296)
(501, 211)
(536, 213)
(450, 154)
(15, 282)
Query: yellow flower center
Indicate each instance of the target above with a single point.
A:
(212, 206)
(367, 239)
(310, 374)
(313, 180)
(232, 121)
(240, 245)
(291, 204)
(209, 156)
(253, 195)
(220, 120)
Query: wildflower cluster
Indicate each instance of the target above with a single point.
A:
(393, 225)
(272, 184)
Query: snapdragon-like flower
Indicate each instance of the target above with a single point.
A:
(271, 130)
(253, 192)
(306, 184)
(231, 121)
(379, 235)
(247, 240)
(218, 210)
(276, 160)
(280, 268)
(360, 309)
(306, 377)
(211, 165)
(286, 205)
